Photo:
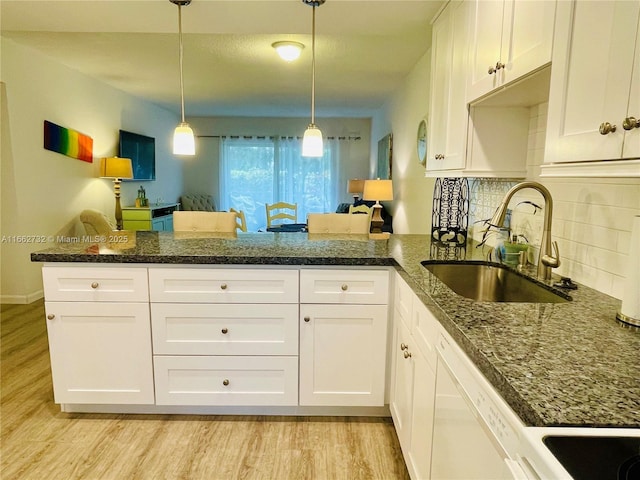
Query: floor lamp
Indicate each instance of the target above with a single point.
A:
(116, 168)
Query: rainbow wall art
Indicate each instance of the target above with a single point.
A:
(68, 142)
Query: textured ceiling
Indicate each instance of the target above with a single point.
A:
(364, 50)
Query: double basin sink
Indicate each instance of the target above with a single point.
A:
(492, 282)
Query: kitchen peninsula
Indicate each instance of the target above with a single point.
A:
(561, 364)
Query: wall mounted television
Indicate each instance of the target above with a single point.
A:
(142, 152)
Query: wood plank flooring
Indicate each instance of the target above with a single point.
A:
(39, 442)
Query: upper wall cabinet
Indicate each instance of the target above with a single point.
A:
(448, 114)
(594, 99)
(509, 39)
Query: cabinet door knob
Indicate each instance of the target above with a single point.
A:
(439, 156)
(95, 285)
(225, 331)
(223, 286)
(307, 319)
(630, 123)
(403, 346)
(499, 66)
(51, 316)
(344, 287)
(225, 382)
(407, 354)
(606, 128)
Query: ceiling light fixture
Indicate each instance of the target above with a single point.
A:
(312, 140)
(288, 51)
(183, 140)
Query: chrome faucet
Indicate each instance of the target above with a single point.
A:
(547, 259)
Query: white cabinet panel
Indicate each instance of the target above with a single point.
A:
(592, 83)
(224, 329)
(222, 380)
(403, 298)
(425, 329)
(344, 286)
(100, 352)
(226, 285)
(401, 400)
(95, 284)
(422, 413)
(342, 354)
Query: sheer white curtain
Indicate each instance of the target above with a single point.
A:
(256, 171)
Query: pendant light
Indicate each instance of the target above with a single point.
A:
(312, 140)
(183, 140)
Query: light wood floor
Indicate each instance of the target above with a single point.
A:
(39, 442)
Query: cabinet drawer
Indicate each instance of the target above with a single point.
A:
(142, 214)
(403, 298)
(344, 286)
(425, 329)
(224, 329)
(223, 285)
(201, 380)
(95, 284)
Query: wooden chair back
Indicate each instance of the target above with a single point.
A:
(338, 223)
(198, 221)
(241, 221)
(281, 211)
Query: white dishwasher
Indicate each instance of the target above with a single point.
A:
(475, 434)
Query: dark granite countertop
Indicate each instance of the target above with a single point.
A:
(560, 364)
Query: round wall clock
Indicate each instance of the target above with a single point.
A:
(422, 141)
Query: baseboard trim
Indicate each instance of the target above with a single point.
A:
(22, 299)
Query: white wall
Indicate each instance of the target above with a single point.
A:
(413, 193)
(43, 190)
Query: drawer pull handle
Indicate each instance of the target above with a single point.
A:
(95, 285)
(225, 382)
(403, 346)
(344, 287)
(407, 354)
(307, 319)
(225, 331)
(223, 286)
(51, 316)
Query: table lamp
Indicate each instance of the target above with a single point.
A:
(116, 168)
(378, 190)
(355, 186)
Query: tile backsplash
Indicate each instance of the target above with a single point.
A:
(592, 217)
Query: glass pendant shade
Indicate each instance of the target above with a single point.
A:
(288, 51)
(312, 142)
(183, 140)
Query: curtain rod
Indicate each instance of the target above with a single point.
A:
(261, 137)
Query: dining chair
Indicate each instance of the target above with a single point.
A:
(337, 223)
(281, 211)
(198, 221)
(241, 221)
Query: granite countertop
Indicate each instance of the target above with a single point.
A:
(560, 364)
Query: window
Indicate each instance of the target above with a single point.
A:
(256, 171)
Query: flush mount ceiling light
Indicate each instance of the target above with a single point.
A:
(183, 140)
(288, 51)
(312, 140)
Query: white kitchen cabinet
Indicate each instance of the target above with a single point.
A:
(413, 383)
(448, 108)
(225, 336)
(343, 336)
(342, 354)
(509, 39)
(99, 334)
(595, 87)
(100, 352)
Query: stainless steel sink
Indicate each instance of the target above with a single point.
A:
(489, 282)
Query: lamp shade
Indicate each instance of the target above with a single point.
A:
(355, 185)
(378, 190)
(116, 167)
(312, 142)
(183, 140)
(288, 51)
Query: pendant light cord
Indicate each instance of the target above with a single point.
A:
(181, 55)
(313, 66)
